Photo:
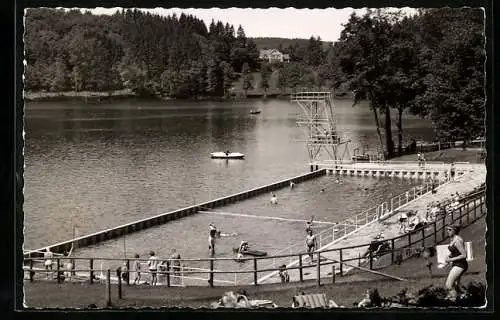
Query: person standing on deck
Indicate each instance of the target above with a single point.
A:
(176, 262)
(153, 267)
(458, 260)
(137, 265)
(452, 171)
(311, 244)
(212, 233)
(48, 255)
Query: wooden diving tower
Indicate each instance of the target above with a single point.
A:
(320, 128)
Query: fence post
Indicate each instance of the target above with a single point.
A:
(341, 263)
(73, 267)
(32, 273)
(211, 278)
(333, 273)
(443, 224)
(108, 288)
(58, 270)
(392, 250)
(91, 271)
(435, 233)
(423, 237)
(128, 270)
(371, 259)
(168, 273)
(119, 275)
(301, 275)
(409, 239)
(255, 271)
(318, 270)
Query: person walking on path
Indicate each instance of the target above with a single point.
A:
(311, 243)
(458, 260)
(153, 267)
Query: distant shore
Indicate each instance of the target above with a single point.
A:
(126, 94)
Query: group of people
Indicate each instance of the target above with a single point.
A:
(155, 267)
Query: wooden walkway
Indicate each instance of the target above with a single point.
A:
(474, 177)
(401, 169)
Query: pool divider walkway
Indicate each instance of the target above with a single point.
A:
(389, 225)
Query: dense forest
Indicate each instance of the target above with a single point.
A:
(149, 54)
(430, 64)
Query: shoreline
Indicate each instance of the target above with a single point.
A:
(127, 94)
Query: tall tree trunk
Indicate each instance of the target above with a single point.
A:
(373, 106)
(377, 124)
(400, 129)
(388, 132)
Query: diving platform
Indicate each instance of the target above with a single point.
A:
(401, 169)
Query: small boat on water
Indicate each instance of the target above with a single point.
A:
(254, 111)
(255, 253)
(227, 155)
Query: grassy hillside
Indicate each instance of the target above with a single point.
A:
(274, 43)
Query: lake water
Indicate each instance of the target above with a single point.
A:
(95, 166)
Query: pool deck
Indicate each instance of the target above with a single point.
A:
(474, 177)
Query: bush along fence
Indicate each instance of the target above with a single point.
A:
(222, 271)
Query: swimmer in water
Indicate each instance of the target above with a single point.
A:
(274, 199)
(309, 224)
(292, 184)
(322, 190)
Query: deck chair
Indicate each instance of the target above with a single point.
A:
(316, 300)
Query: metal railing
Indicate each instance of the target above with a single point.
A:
(187, 272)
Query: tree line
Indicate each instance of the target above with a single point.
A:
(146, 53)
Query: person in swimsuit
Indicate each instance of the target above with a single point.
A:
(153, 267)
(48, 255)
(212, 233)
(311, 244)
(137, 265)
(458, 260)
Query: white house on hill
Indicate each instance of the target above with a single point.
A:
(273, 55)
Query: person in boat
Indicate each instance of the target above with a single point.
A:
(212, 233)
(311, 244)
(274, 199)
(242, 249)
